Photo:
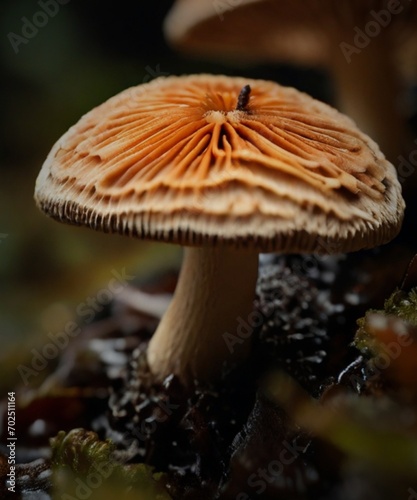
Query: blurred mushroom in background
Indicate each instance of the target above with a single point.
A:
(367, 47)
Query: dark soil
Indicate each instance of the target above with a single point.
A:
(293, 422)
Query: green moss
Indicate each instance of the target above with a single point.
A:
(403, 306)
(79, 450)
(400, 305)
(84, 466)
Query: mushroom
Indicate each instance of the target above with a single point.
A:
(226, 167)
(362, 43)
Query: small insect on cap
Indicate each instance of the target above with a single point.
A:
(201, 158)
(243, 99)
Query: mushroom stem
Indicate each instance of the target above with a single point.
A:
(206, 324)
(367, 86)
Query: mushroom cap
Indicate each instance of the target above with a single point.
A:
(306, 32)
(173, 160)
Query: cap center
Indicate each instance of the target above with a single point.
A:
(220, 117)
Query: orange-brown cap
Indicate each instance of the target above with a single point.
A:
(205, 159)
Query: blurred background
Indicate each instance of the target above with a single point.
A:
(83, 55)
